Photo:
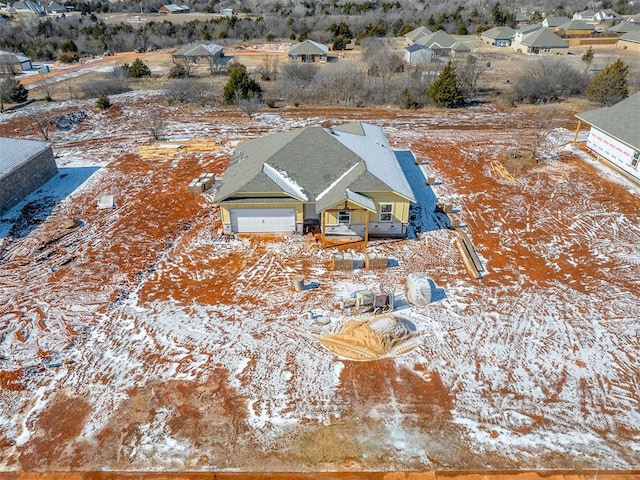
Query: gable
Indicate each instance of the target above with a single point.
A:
(315, 164)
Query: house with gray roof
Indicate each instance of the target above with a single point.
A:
(554, 22)
(575, 27)
(415, 35)
(586, 15)
(615, 134)
(194, 52)
(344, 180)
(173, 8)
(541, 40)
(418, 55)
(630, 41)
(309, 52)
(439, 41)
(24, 166)
(624, 27)
(498, 36)
(11, 62)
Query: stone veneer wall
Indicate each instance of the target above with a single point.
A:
(22, 181)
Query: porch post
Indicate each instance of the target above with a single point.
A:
(575, 137)
(322, 228)
(366, 228)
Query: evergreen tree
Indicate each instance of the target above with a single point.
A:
(12, 91)
(610, 85)
(240, 86)
(103, 102)
(137, 69)
(445, 91)
(588, 55)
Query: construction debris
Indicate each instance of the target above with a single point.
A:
(372, 339)
(343, 261)
(376, 300)
(201, 183)
(375, 261)
(106, 202)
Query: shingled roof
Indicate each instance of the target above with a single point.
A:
(544, 38)
(308, 47)
(199, 50)
(499, 33)
(316, 164)
(620, 121)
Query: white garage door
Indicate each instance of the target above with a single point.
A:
(261, 220)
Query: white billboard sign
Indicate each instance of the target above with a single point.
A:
(615, 151)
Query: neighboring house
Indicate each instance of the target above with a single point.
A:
(195, 52)
(14, 62)
(607, 15)
(523, 32)
(345, 180)
(541, 40)
(417, 34)
(498, 36)
(418, 55)
(634, 19)
(624, 27)
(440, 42)
(29, 6)
(552, 23)
(630, 41)
(226, 12)
(24, 166)
(309, 52)
(172, 8)
(615, 134)
(56, 9)
(575, 28)
(586, 15)
(459, 49)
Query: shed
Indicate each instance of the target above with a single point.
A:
(24, 166)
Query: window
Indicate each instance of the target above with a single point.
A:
(344, 218)
(386, 212)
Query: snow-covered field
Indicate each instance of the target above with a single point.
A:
(145, 340)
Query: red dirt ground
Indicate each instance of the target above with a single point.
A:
(161, 247)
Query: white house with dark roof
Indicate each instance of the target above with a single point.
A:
(615, 134)
(24, 166)
(346, 180)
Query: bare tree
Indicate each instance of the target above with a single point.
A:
(155, 122)
(250, 106)
(268, 70)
